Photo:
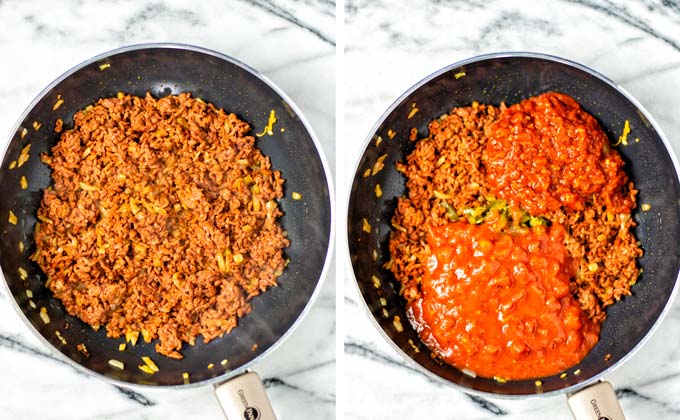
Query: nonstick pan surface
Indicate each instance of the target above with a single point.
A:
(512, 77)
(164, 69)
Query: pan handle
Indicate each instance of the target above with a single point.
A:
(244, 398)
(596, 402)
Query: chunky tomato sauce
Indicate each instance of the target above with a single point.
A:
(546, 152)
(499, 304)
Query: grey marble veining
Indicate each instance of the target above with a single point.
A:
(39, 40)
(390, 47)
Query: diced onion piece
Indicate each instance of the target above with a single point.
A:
(13, 164)
(224, 362)
(378, 191)
(563, 375)
(23, 155)
(23, 182)
(397, 324)
(441, 195)
(538, 384)
(122, 346)
(391, 133)
(388, 265)
(399, 227)
(365, 226)
(132, 337)
(21, 246)
(367, 172)
(29, 293)
(31, 303)
(469, 373)
(104, 66)
(83, 349)
(221, 266)
(22, 273)
(12, 218)
(238, 258)
(414, 111)
(500, 379)
(379, 164)
(296, 195)
(139, 248)
(134, 208)
(383, 301)
(623, 138)
(24, 132)
(385, 314)
(57, 104)
(269, 128)
(577, 372)
(185, 376)
(88, 187)
(376, 281)
(459, 75)
(44, 316)
(44, 219)
(146, 369)
(150, 363)
(646, 207)
(36, 125)
(211, 365)
(117, 364)
(146, 335)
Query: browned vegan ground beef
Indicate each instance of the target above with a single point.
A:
(162, 220)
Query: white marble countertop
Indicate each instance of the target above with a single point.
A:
(388, 49)
(39, 40)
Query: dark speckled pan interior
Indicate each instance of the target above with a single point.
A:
(511, 78)
(163, 70)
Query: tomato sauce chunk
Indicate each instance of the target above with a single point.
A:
(546, 152)
(499, 304)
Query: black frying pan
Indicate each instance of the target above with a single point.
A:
(162, 70)
(512, 77)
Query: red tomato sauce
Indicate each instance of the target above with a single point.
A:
(546, 152)
(499, 304)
